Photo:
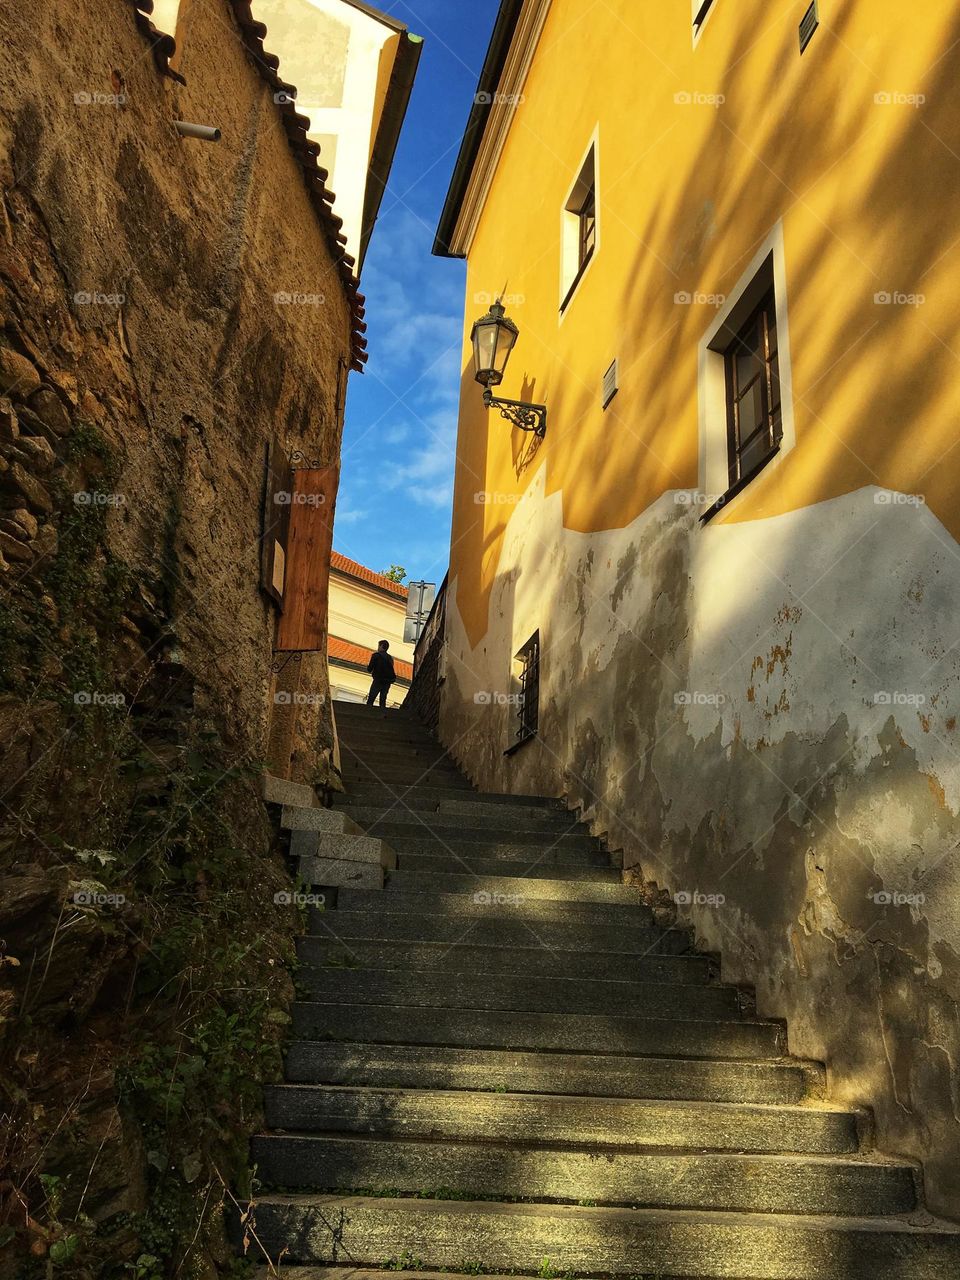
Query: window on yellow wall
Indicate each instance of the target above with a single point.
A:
(752, 368)
(579, 237)
(746, 406)
(701, 9)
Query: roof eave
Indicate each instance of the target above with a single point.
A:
(497, 51)
(388, 135)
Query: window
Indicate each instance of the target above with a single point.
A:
(701, 10)
(588, 227)
(580, 227)
(528, 708)
(746, 403)
(752, 365)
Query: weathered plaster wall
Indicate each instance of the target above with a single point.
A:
(764, 711)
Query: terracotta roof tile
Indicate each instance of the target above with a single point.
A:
(356, 654)
(305, 151)
(342, 564)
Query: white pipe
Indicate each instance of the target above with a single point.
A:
(205, 132)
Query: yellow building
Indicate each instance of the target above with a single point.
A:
(365, 608)
(715, 605)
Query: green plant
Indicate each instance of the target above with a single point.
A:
(404, 1261)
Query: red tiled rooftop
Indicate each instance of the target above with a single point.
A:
(342, 564)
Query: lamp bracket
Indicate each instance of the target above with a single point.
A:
(522, 414)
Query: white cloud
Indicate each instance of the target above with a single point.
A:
(349, 516)
(427, 476)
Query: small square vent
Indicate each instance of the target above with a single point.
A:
(808, 25)
(611, 383)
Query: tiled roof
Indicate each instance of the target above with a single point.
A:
(341, 564)
(304, 150)
(344, 651)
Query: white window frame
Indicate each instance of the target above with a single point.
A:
(714, 456)
(702, 12)
(570, 228)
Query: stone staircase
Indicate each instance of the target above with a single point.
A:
(505, 1063)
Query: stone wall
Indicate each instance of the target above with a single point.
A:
(425, 694)
(763, 716)
(145, 362)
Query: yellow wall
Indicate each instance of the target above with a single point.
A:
(867, 192)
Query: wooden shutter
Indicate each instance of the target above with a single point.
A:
(303, 623)
(278, 484)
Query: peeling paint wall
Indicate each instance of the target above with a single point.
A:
(764, 713)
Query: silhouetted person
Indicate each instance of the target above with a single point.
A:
(380, 667)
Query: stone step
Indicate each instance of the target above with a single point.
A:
(506, 929)
(281, 791)
(389, 754)
(575, 901)
(360, 710)
(491, 817)
(403, 758)
(440, 836)
(585, 1241)
(572, 850)
(369, 740)
(584, 1121)
(357, 773)
(788, 1184)
(423, 797)
(529, 887)
(518, 993)
(541, 1032)
(332, 822)
(599, 1075)
(534, 864)
(529, 961)
(379, 1273)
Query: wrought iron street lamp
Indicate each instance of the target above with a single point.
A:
(494, 337)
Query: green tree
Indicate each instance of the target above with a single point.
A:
(396, 573)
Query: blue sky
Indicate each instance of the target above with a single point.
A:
(396, 481)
